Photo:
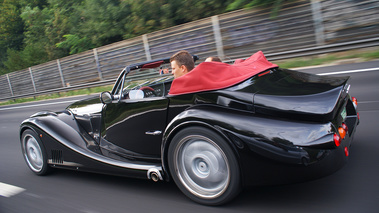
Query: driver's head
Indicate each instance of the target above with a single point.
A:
(181, 63)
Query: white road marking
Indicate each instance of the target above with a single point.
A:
(7, 190)
(37, 105)
(350, 71)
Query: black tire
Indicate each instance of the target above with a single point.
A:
(204, 166)
(34, 153)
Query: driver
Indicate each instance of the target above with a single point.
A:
(181, 63)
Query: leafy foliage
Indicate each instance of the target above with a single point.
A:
(36, 31)
(75, 44)
(274, 4)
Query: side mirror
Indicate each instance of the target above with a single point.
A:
(106, 97)
(136, 94)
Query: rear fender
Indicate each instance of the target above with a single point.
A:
(192, 117)
(277, 139)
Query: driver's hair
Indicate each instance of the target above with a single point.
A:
(183, 57)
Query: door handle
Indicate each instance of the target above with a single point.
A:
(156, 132)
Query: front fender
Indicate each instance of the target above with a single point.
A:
(60, 132)
(61, 126)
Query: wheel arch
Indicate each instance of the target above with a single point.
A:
(34, 132)
(38, 131)
(176, 127)
(25, 126)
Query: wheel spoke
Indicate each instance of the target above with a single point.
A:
(202, 166)
(33, 153)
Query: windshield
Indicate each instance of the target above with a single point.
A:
(149, 81)
(152, 77)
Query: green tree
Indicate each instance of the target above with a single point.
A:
(36, 31)
(11, 25)
(75, 44)
(11, 30)
(35, 21)
(144, 20)
(102, 21)
(275, 5)
(33, 3)
(167, 13)
(192, 10)
(43, 28)
(18, 60)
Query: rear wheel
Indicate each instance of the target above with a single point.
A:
(34, 152)
(203, 166)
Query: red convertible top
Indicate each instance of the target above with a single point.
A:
(217, 75)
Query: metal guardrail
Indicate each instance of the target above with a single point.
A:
(302, 28)
(83, 86)
(274, 56)
(330, 48)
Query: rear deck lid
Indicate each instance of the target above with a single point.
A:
(303, 94)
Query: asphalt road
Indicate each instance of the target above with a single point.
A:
(354, 188)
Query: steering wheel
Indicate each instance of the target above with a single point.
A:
(149, 92)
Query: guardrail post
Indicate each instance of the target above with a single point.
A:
(218, 37)
(60, 72)
(318, 22)
(146, 46)
(10, 85)
(31, 76)
(98, 64)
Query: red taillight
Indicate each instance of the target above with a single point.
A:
(344, 126)
(346, 151)
(355, 101)
(337, 139)
(358, 115)
(342, 132)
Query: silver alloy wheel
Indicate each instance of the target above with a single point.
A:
(33, 153)
(202, 166)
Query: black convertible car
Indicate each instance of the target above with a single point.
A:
(212, 131)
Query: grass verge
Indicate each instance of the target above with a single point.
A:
(331, 58)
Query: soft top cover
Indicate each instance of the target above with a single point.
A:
(217, 75)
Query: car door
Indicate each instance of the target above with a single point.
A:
(133, 127)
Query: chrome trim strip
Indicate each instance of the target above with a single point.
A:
(156, 132)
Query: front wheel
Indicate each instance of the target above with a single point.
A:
(34, 152)
(203, 166)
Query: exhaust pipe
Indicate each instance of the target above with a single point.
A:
(154, 174)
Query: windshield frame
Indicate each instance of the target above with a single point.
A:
(118, 87)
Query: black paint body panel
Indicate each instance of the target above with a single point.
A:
(280, 126)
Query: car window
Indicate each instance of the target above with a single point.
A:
(143, 83)
(154, 86)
